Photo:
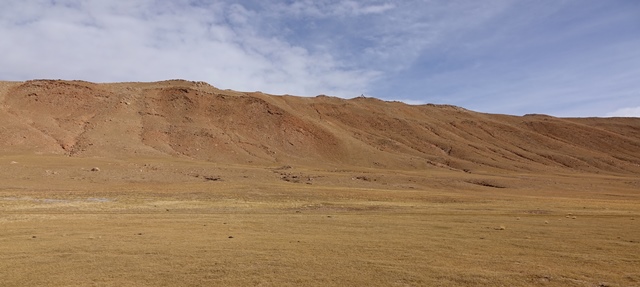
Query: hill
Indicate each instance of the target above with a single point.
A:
(180, 118)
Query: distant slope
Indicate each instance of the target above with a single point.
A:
(196, 120)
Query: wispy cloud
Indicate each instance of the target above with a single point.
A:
(328, 8)
(626, 112)
(120, 41)
(565, 58)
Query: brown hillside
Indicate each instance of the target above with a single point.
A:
(195, 120)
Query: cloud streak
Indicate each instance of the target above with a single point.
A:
(626, 112)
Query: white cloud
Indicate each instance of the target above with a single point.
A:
(347, 46)
(626, 112)
(376, 9)
(412, 102)
(119, 41)
(331, 8)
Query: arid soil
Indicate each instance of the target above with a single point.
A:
(177, 183)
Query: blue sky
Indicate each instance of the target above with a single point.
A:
(557, 57)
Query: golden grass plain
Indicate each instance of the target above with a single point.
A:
(183, 222)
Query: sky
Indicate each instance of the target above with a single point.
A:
(566, 58)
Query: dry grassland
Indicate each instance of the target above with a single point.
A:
(175, 222)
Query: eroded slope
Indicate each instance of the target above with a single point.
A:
(196, 120)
